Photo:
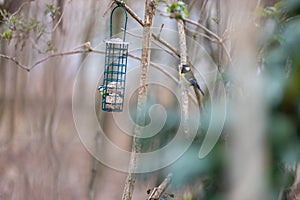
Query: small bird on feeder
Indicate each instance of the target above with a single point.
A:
(102, 90)
(188, 76)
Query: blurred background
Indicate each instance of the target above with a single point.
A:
(48, 146)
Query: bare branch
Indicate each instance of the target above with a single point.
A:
(226, 51)
(167, 73)
(220, 48)
(160, 30)
(258, 3)
(20, 8)
(142, 100)
(202, 11)
(108, 7)
(183, 61)
(201, 34)
(165, 43)
(95, 163)
(132, 34)
(174, 51)
(220, 40)
(131, 12)
(13, 59)
(202, 27)
(57, 55)
(162, 41)
(61, 16)
(86, 49)
(191, 4)
(157, 192)
(36, 46)
(90, 50)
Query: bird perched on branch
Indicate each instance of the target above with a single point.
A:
(188, 76)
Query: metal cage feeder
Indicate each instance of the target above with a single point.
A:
(116, 53)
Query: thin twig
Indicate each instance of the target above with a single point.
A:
(166, 50)
(131, 12)
(61, 16)
(258, 3)
(95, 163)
(108, 7)
(160, 30)
(157, 66)
(203, 28)
(167, 73)
(158, 39)
(220, 40)
(132, 34)
(157, 192)
(226, 51)
(57, 55)
(13, 59)
(35, 45)
(191, 4)
(28, 69)
(165, 43)
(20, 8)
(220, 48)
(201, 34)
(202, 11)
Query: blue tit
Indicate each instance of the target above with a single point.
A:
(102, 90)
(188, 76)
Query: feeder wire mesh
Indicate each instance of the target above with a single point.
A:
(116, 53)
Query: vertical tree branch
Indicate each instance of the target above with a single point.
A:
(142, 98)
(204, 3)
(219, 31)
(183, 61)
(94, 169)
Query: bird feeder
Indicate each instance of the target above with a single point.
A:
(116, 53)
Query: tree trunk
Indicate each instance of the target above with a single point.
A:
(142, 99)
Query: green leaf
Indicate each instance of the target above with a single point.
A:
(172, 195)
(169, 10)
(215, 19)
(7, 35)
(279, 39)
(278, 5)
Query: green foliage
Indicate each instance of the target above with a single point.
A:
(281, 75)
(268, 11)
(172, 195)
(278, 38)
(216, 20)
(282, 68)
(7, 35)
(179, 10)
(53, 10)
(18, 26)
(50, 46)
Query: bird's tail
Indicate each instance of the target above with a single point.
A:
(195, 84)
(198, 97)
(200, 89)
